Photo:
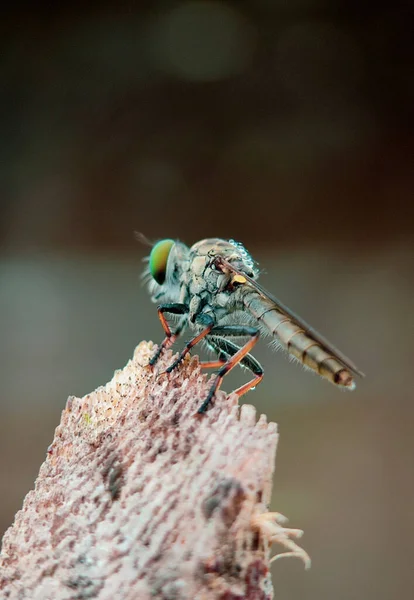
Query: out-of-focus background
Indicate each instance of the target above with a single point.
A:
(285, 124)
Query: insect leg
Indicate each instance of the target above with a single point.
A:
(222, 355)
(225, 349)
(236, 355)
(228, 349)
(170, 337)
(208, 326)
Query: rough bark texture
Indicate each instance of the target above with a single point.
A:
(140, 498)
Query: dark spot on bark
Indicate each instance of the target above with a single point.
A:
(162, 448)
(113, 476)
(84, 559)
(143, 415)
(255, 541)
(50, 571)
(176, 418)
(227, 498)
(116, 482)
(104, 439)
(255, 574)
(223, 566)
(83, 586)
(165, 587)
(214, 567)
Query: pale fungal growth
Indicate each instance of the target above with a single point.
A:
(271, 526)
(141, 498)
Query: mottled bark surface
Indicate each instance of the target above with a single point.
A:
(141, 498)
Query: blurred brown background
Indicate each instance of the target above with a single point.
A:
(285, 124)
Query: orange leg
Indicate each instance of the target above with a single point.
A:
(241, 356)
(212, 364)
(188, 347)
(170, 337)
(250, 385)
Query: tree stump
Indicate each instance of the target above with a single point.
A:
(141, 498)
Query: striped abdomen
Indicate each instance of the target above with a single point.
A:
(297, 341)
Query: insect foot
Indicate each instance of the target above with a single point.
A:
(174, 365)
(271, 526)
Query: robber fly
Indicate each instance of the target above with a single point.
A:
(212, 287)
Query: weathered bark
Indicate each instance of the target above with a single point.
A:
(140, 498)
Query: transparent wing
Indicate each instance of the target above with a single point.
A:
(224, 265)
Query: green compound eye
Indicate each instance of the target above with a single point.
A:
(158, 260)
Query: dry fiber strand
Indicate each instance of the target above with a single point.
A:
(140, 498)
